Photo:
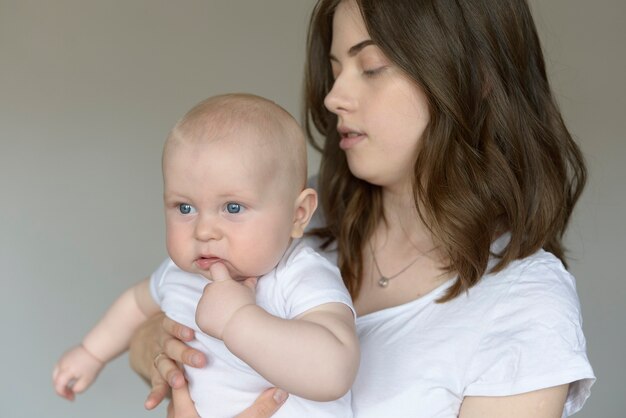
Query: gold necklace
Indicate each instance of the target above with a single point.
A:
(384, 280)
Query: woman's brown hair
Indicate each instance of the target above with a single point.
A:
(496, 156)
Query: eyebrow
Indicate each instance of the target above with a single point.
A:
(355, 49)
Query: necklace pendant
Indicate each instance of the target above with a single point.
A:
(383, 282)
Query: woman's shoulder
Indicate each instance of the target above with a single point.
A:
(541, 273)
(540, 276)
(533, 299)
(532, 336)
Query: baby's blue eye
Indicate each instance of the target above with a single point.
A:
(233, 208)
(185, 208)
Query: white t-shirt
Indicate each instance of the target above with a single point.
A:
(226, 386)
(515, 331)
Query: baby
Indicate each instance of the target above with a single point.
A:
(236, 202)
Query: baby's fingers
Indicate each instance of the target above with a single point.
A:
(250, 282)
(219, 273)
(79, 385)
(63, 383)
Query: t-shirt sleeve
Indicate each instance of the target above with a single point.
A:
(156, 280)
(534, 340)
(310, 280)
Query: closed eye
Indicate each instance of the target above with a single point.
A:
(375, 71)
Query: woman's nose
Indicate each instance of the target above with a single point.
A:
(340, 98)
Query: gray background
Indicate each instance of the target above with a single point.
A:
(88, 91)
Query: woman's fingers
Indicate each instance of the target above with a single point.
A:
(168, 371)
(170, 410)
(266, 404)
(145, 345)
(182, 404)
(177, 330)
(159, 390)
(155, 350)
(177, 350)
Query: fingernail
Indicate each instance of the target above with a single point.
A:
(280, 396)
(196, 360)
(148, 402)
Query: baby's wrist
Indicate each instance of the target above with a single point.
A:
(91, 354)
(236, 323)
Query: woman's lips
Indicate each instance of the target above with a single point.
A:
(349, 140)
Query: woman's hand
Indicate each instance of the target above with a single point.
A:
(266, 404)
(181, 405)
(155, 350)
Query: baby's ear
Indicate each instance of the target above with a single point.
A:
(305, 206)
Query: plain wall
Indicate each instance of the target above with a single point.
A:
(88, 92)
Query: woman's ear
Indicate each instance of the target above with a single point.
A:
(305, 206)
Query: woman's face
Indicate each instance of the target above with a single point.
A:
(381, 113)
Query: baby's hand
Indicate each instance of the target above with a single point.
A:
(75, 371)
(222, 299)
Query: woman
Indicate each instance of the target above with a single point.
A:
(447, 182)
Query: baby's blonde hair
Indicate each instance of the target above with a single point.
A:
(225, 116)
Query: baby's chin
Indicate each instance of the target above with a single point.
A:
(204, 271)
(241, 277)
(243, 273)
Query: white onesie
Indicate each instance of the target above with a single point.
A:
(226, 386)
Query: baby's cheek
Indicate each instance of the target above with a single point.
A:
(175, 248)
(268, 255)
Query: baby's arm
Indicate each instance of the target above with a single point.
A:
(314, 356)
(79, 366)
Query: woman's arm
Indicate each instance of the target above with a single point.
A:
(544, 403)
(154, 351)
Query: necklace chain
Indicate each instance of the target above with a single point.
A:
(384, 280)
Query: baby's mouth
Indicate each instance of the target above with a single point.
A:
(204, 263)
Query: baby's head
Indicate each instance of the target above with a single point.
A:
(234, 173)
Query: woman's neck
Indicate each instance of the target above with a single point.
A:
(401, 250)
(403, 221)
